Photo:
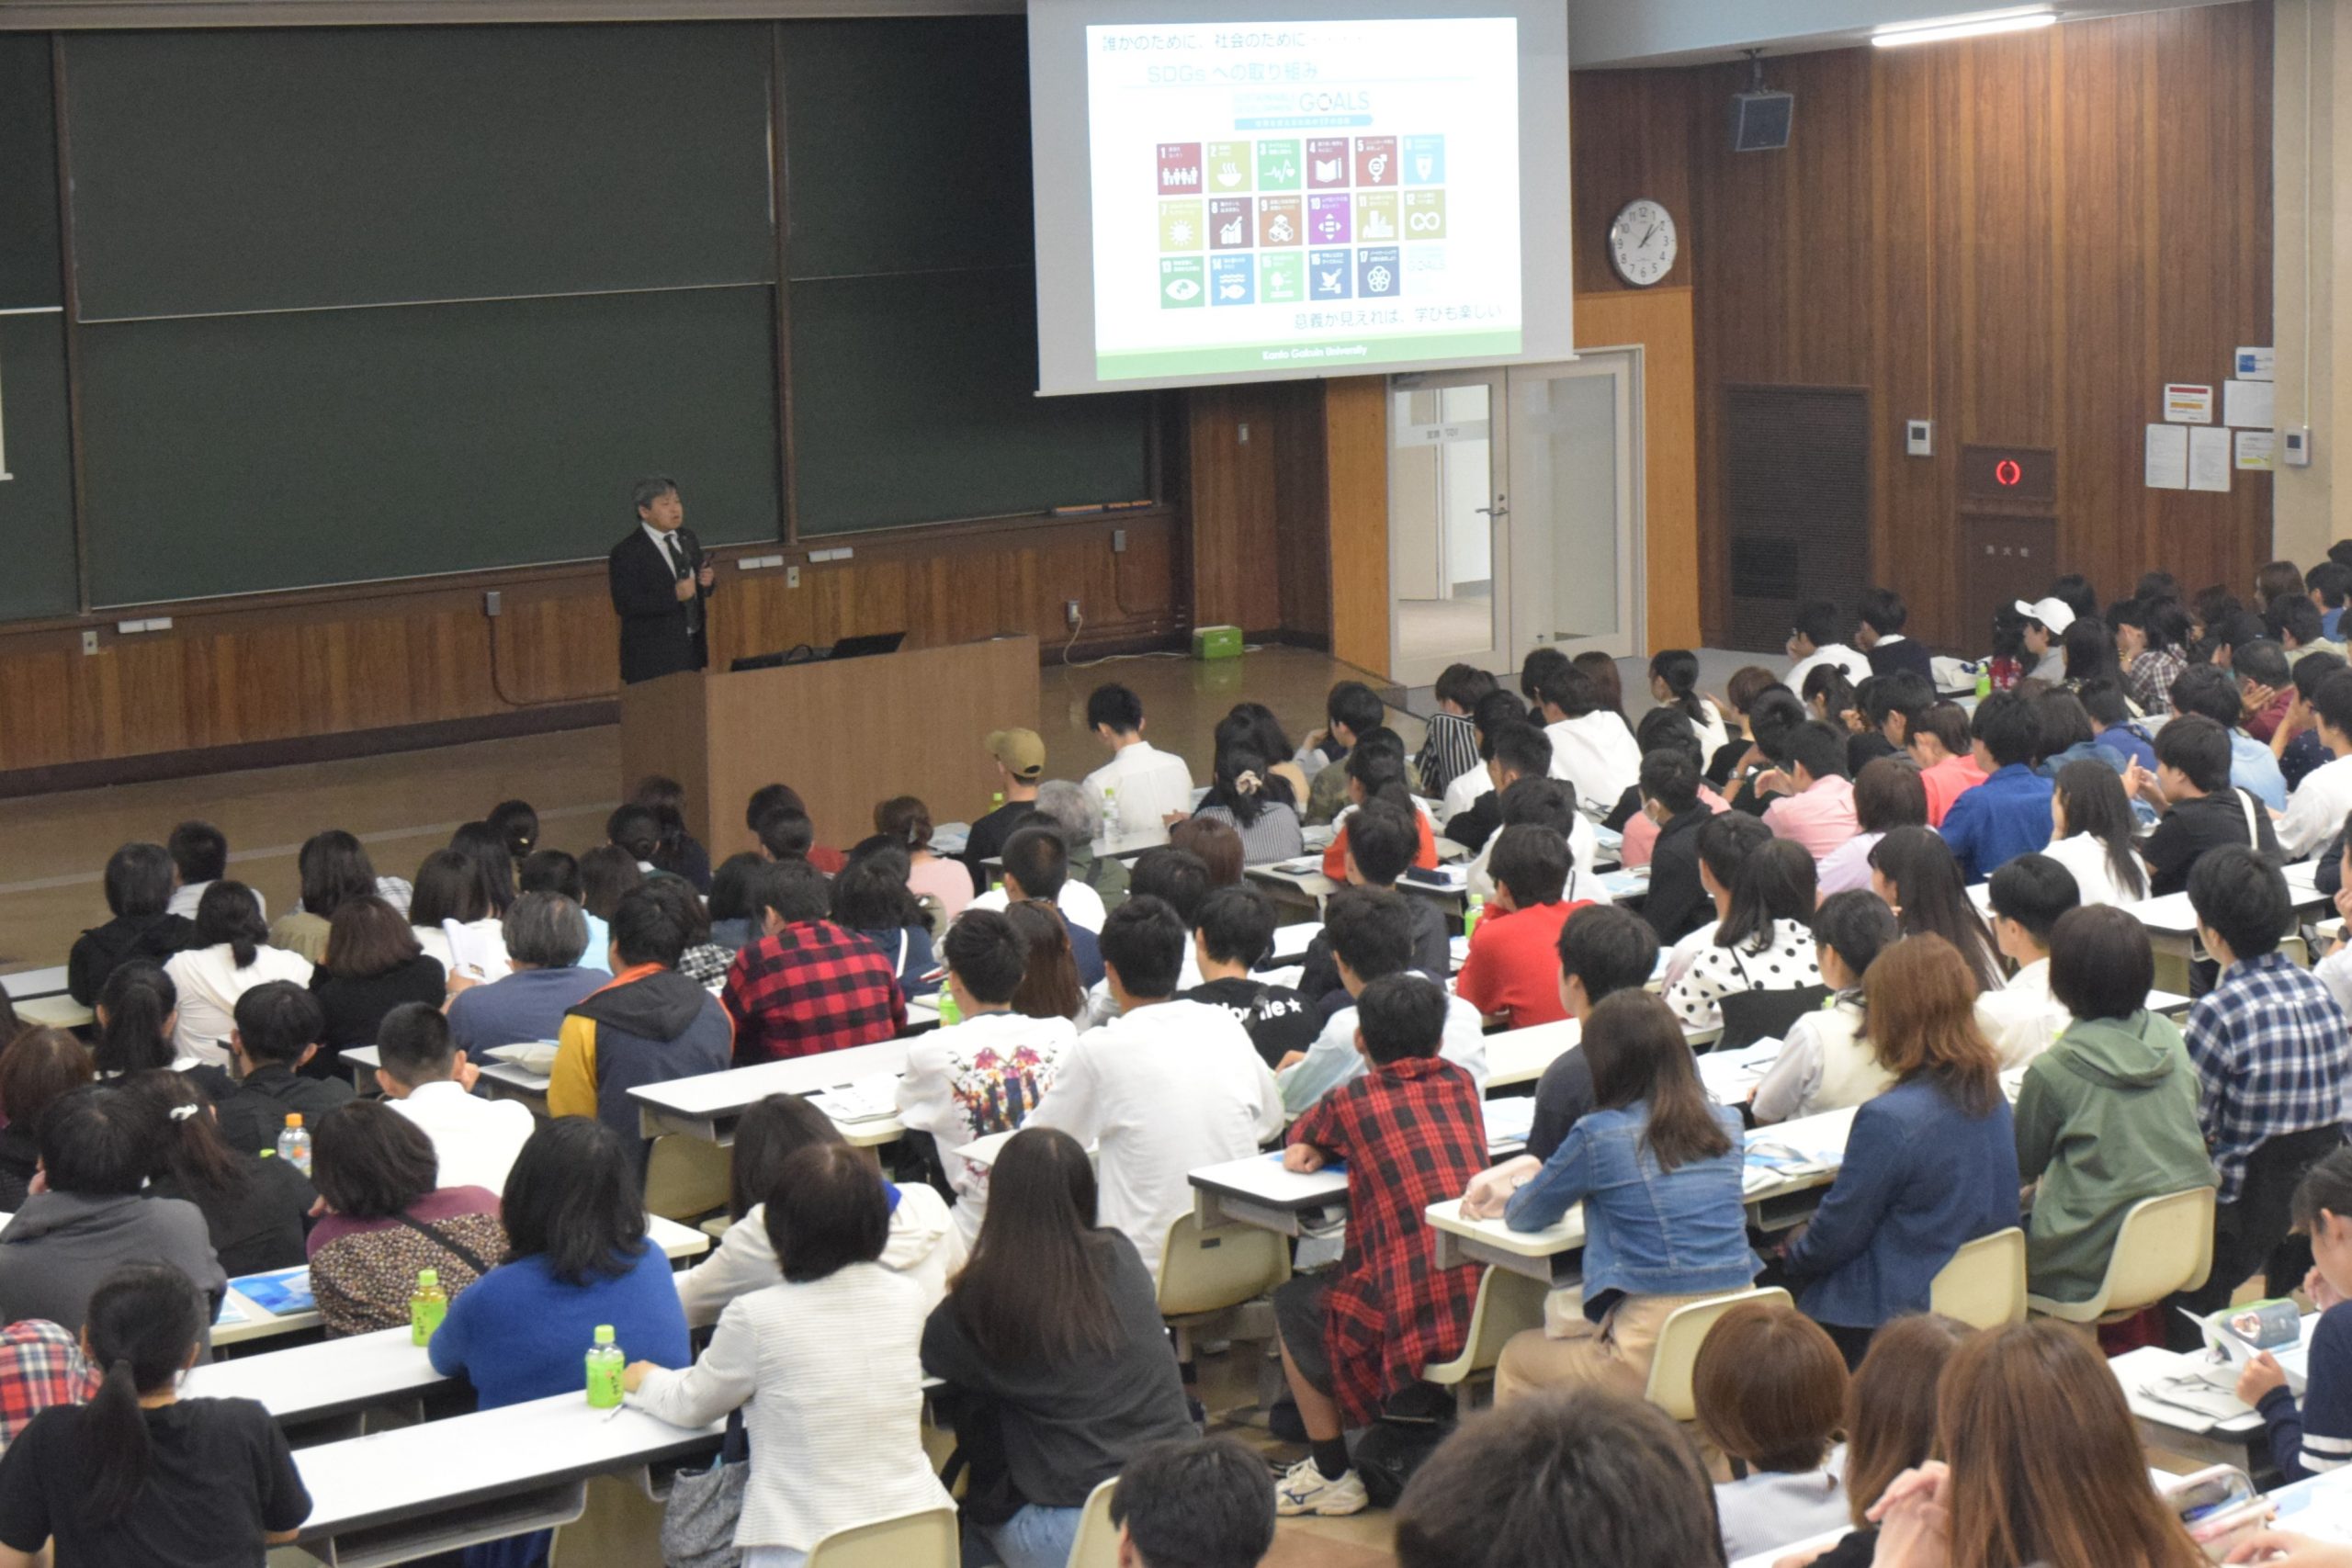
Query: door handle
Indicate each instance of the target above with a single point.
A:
(1496, 510)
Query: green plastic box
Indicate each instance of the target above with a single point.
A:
(1216, 642)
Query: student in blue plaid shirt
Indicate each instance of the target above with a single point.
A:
(2273, 1055)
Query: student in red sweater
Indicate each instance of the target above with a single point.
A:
(1512, 975)
(1376, 772)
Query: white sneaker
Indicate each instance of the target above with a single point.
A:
(1304, 1489)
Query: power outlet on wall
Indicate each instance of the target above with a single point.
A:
(1069, 614)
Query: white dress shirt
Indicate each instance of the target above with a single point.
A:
(2317, 808)
(1599, 755)
(2023, 1020)
(1333, 1059)
(186, 897)
(1584, 851)
(474, 1137)
(2095, 877)
(1150, 783)
(1856, 664)
(1161, 1092)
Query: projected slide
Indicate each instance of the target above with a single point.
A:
(1303, 197)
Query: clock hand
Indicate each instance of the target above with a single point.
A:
(1645, 239)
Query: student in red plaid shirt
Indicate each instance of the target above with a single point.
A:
(40, 1365)
(807, 986)
(1412, 1132)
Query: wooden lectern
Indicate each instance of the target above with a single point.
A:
(847, 734)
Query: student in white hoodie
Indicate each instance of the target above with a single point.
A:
(1591, 748)
(1372, 936)
(2023, 1020)
(1162, 1090)
(232, 956)
(921, 1242)
(989, 1072)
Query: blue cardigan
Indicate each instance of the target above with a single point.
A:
(1921, 1178)
(521, 1334)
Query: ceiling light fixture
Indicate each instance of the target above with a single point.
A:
(1984, 24)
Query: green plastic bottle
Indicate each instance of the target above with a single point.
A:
(1984, 683)
(996, 800)
(426, 1306)
(1477, 906)
(950, 1015)
(604, 1364)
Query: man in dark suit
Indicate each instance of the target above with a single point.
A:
(659, 580)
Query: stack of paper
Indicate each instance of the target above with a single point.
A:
(874, 1098)
(1508, 1120)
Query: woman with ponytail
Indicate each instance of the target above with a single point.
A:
(229, 956)
(138, 1008)
(140, 1474)
(255, 1210)
(1674, 682)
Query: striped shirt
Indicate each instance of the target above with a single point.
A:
(2273, 1056)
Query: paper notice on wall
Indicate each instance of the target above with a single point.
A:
(2209, 459)
(2256, 364)
(2167, 458)
(2187, 402)
(2249, 405)
(2258, 450)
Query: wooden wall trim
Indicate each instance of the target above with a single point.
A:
(1660, 320)
(1356, 466)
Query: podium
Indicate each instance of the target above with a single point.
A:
(846, 734)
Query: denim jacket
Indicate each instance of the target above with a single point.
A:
(1647, 1233)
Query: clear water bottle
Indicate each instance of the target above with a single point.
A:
(1111, 834)
(427, 1305)
(294, 1144)
(604, 1364)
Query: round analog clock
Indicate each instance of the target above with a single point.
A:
(1641, 243)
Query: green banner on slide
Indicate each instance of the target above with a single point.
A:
(1338, 355)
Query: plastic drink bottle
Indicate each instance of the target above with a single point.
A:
(1470, 915)
(950, 1015)
(604, 1364)
(294, 1144)
(426, 1306)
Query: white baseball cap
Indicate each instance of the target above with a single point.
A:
(2055, 614)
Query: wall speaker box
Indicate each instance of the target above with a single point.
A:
(1759, 121)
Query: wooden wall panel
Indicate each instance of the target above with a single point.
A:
(1659, 321)
(1356, 463)
(1628, 138)
(1235, 439)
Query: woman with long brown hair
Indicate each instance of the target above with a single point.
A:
(1050, 988)
(2042, 1465)
(1890, 1421)
(1930, 1165)
(1656, 1166)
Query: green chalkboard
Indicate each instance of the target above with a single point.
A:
(37, 496)
(236, 454)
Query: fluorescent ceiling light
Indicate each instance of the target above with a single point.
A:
(1980, 24)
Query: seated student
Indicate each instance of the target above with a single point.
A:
(1550, 803)
(332, 867)
(97, 1149)
(1769, 1390)
(702, 960)
(254, 1209)
(1268, 738)
(675, 849)
(552, 871)
(2296, 742)
(2039, 1452)
(906, 821)
(1892, 705)
(1375, 770)
(517, 823)
(651, 1024)
(2327, 585)
(1019, 757)
(228, 955)
(2107, 1115)
(372, 965)
(1056, 1365)
(2115, 728)
(1050, 987)
(1720, 846)
(1495, 1494)
(1829, 696)
(1890, 1423)
(2093, 834)
(1662, 730)
(1828, 1060)
(136, 1015)
(1371, 937)
(1603, 952)
(1655, 1164)
(1817, 637)
(2313, 1436)
(2266, 684)
(2200, 809)
(1930, 1165)
(1412, 1132)
(2008, 814)
(1351, 711)
(488, 847)
(1179, 879)
(1380, 847)
(2268, 1045)
(1509, 748)
(807, 986)
(733, 904)
(2023, 1020)
(769, 799)
(785, 833)
(988, 1073)
(38, 1068)
(1141, 785)
(2068, 735)
(1816, 803)
(1165, 1087)
(1883, 614)
(1248, 798)
(607, 877)
(2043, 626)
(1674, 683)
(633, 828)
(139, 892)
(2209, 692)
(1678, 902)
(1451, 747)
(1036, 866)
(1194, 1503)
(872, 899)
(1233, 931)
(475, 1138)
(385, 1216)
(453, 904)
(1213, 843)
(1939, 742)
(836, 1439)
(1591, 748)
(2319, 804)
(199, 855)
(277, 1030)
(1512, 974)
(140, 1474)
(1775, 717)
(1764, 941)
(917, 1240)
(547, 953)
(2150, 635)
(1098, 879)
(1747, 683)
(1914, 871)
(1888, 793)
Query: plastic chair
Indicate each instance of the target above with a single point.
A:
(1204, 1274)
(924, 1540)
(1678, 1347)
(1096, 1544)
(685, 1177)
(2164, 1244)
(1508, 1303)
(1983, 1285)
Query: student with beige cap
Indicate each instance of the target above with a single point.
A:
(2046, 621)
(1020, 758)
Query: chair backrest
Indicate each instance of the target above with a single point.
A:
(1096, 1545)
(1678, 1347)
(1508, 1303)
(2164, 1244)
(1750, 1016)
(685, 1177)
(1208, 1270)
(924, 1540)
(1983, 1285)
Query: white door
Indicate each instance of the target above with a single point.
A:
(1514, 515)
